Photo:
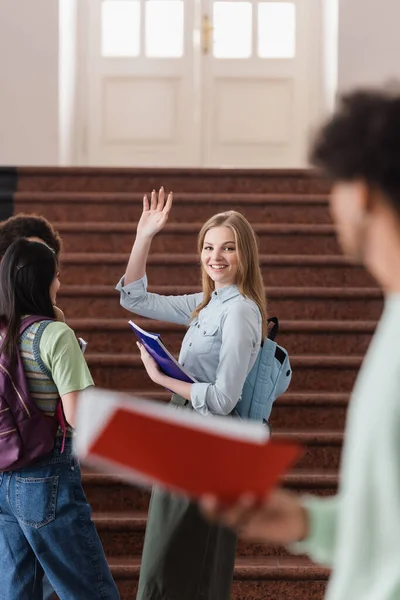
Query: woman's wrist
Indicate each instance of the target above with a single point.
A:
(161, 379)
(137, 261)
(144, 239)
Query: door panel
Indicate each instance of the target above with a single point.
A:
(201, 82)
(256, 74)
(141, 90)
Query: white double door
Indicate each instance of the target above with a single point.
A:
(203, 83)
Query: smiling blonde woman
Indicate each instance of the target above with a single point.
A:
(185, 557)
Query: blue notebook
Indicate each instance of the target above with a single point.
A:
(154, 346)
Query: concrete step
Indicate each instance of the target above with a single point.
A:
(109, 493)
(122, 534)
(294, 412)
(319, 303)
(273, 238)
(110, 207)
(310, 373)
(264, 578)
(298, 337)
(141, 180)
(314, 412)
(173, 269)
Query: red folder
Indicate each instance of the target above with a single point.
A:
(178, 449)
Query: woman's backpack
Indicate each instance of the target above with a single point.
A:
(26, 432)
(269, 378)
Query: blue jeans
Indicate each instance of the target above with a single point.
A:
(46, 526)
(47, 589)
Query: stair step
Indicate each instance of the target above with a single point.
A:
(102, 301)
(310, 373)
(264, 578)
(269, 567)
(123, 534)
(322, 449)
(296, 411)
(189, 207)
(277, 270)
(110, 493)
(89, 179)
(308, 411)
(289, 399)
(290, 229)
(285, 326)
(259, 579)
(273, 238)
(282, 579)
(298, 337)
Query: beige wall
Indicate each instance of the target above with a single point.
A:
(29, 82)
(329, 33)
(37, 81)
(369, 42)
(67, 80)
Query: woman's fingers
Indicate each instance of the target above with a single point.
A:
(153, 203)
(158, 202)
(143, 353)
(161, 195)
(168, 204)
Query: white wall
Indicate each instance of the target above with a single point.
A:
(330, 46)
(67, 79)
(29, 113)
(369, 42)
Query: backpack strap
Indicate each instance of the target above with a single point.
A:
(28, 321)
(61, 421)
(59, 414)
(273, 332)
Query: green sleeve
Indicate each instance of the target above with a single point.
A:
(321, 541)
(60, 352)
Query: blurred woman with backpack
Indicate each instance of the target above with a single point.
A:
(45, 519)
(185, 558)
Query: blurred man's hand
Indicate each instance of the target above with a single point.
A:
(280, 519)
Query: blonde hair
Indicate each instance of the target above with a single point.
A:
(249, 278)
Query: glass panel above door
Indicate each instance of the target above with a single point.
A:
(164, 29)
(232, 22)
(276, 30)
(120, 28)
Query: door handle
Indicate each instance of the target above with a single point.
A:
(206, 34)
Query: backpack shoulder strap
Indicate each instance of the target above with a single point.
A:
(273, 332)
(59, 415)
(28, 321)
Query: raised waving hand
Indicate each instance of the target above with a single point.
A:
(155, 214)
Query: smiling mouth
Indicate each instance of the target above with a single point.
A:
(217, 267)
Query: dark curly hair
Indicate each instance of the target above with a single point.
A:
(26, 226)
(362, 141)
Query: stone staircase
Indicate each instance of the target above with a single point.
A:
(328, 309)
